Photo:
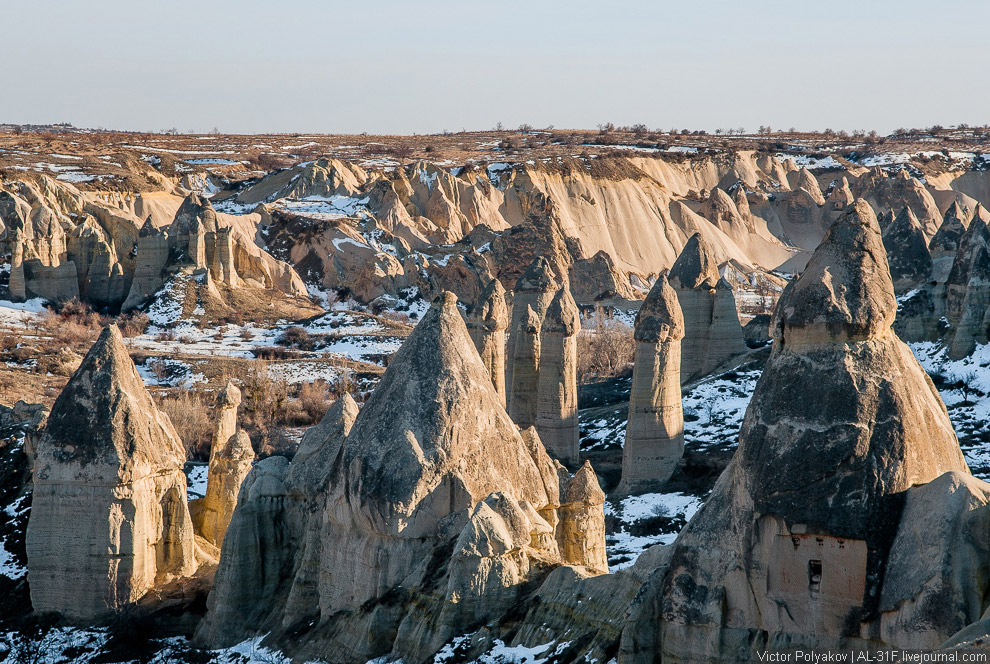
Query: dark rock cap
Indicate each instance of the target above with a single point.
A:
(562, 317)
(538, 278)
(845, 292)
(696, 267)
(660, 318)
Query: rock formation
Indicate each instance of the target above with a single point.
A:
(231, 455)
(556, 402)
(526, 370)
(581, 534)
(598, 278)
(487, 321)
(109, 519)
(937, 581)
(655, 429)
(535, 289)
(907, 251)
(946, 240)
(712, 331)
(431, 513)
(149, 272)
(790, 546)
(967, 291)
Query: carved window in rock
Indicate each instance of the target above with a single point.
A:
(819, 564)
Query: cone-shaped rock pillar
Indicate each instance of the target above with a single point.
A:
(109, 518)
(535, 289)
(231, 455)
(792, 544)
(487, 322)
(526, 372)
(556, 415)
(655, 430)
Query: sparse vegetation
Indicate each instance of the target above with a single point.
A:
(605, 347)
(192, 418)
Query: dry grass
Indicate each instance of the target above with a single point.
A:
(192, 418)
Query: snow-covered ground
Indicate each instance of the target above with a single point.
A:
(646, 520)
(498, 654)
(965, 388)
(164, 371)
(324, 207)
(196, 476)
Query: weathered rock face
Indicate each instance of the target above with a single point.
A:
(109, 519)
(790, 547)
(149, 271)
(256, 559)
(581, 534)
(946, 240)
(907, 251)
(655, 430)
(68, 244)
(526, 372)
(598, 278)
(231, 455)
(967, 291)
(276, 535)
(394, 535)
(556, 402)
(535, 289)
(712, 331)
(487, 321)
(937, 572)
(404, 462)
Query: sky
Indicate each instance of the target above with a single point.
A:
(388, 67)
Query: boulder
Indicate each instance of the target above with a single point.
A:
(938, 570)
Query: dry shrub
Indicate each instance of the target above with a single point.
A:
(605, 347)
(8, 341)
(133, 324)
(272, 353)
(265, 397)
(314, 399)
(276, 442)
(193, 421)
(74, 322)
(57, 361)
(296, 337)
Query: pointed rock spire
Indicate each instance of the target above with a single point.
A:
(109, 517)
(813, 479)
(487, 322)
(908, 255)
(948, 236)
(659, 318)
(556, 409)
(696, 266)
(845, 292)
(655, 428)
(430, 443)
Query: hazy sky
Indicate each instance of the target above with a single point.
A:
(427, 66)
